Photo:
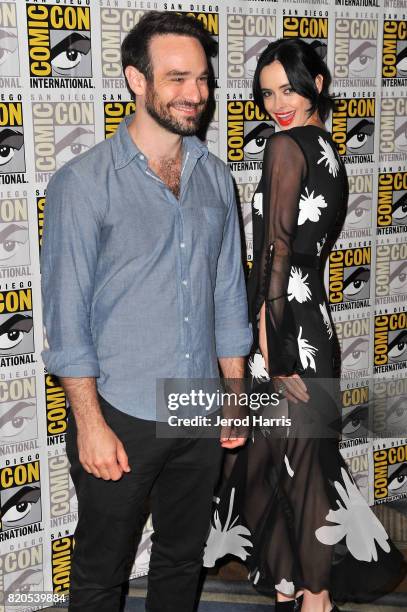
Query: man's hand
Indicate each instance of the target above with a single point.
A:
(102, 454)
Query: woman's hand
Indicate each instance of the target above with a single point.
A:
(292, 387)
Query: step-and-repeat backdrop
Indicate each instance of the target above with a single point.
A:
(62, 91)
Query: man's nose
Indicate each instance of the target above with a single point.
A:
(193, 91)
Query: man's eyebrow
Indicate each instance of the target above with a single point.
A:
(184, 73)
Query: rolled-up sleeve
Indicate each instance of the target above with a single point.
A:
(232, 329)
(68, 265)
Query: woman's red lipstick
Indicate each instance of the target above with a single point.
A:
(285, 118)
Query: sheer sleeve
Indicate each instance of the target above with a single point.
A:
(284, 168)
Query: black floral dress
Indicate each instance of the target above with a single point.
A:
(288, 505)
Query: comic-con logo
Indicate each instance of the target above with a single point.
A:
(358, 222)
(353, 129)
(117, 22)
(62, 130)
(390, 342)
(247, 37)
(393, 129)
(20, 496)
(12, 155)
(392, 203)
(16, 327)
(40, 200)
(358, 465)
(114, 112)
(349, 278)
(353, 335)
(313, 30)
(391, 272)
(389, 408)
(9, 59)
(355, 52)
(18, 420)
(22, 571)
(57, 410)
(394, 58)
(355, 413)
(14, 237)
(62, 502)
(390, 473)
(247, 131)
(61, 559)
(59, 45)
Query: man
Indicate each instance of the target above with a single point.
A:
(142, 281)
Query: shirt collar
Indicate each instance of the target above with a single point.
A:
(125, 150)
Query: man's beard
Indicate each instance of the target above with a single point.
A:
(161, 113)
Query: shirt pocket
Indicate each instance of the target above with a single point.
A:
(213, 223)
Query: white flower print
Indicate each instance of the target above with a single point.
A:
(258, 204)
(285, 587)
(298, 288)
(354, 521)
(306, 351)
(310, 207)
(227, 540)
(320, 244)
(327, 320)
(257, 367)
(290, 470)
(328, 156)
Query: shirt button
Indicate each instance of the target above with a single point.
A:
(184, 282)
(182, 245)
(187, 355)
(186, 319)
(141, 156)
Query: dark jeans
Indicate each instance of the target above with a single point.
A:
(179, 475)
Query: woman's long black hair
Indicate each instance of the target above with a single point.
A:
(302, 64)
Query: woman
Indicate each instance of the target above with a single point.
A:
(312, 532)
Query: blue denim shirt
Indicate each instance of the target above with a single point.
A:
(138, 285)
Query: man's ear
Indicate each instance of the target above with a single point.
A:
(319, 81)
(136, 80)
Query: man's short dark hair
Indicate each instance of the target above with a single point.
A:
(302, 64)
(135, 47)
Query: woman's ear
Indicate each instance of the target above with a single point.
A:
(319, 81)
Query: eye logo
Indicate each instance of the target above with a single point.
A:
(18, 422)
(20, 494)
(247, 131)
(390, 342)
(9, 59)
(12, 158)
(355, 50)
(247, 37)
(349, 277)
(394, 51)
(353, 128)
(59, 40)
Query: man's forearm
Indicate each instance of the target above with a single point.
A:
(83, 399)
(232, 367)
